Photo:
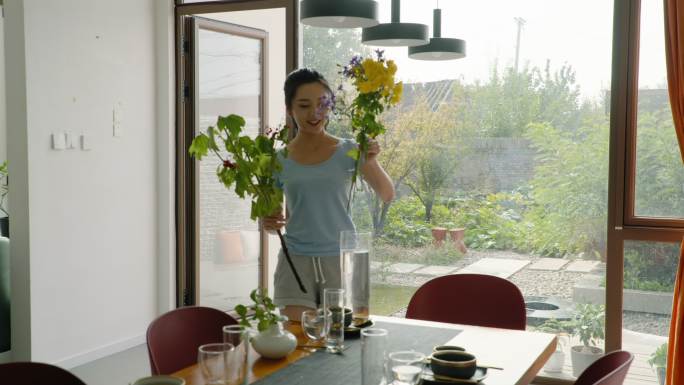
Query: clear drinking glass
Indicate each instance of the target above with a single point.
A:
(355, 252)
(373, 354)
(314, 325)
(333, 302)
(406, 367)
(238, 336)
(214, 361)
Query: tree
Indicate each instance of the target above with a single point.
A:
(435, 153)
(569, 188)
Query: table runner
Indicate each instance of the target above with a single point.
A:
(345, 369)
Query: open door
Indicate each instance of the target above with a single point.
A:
(226, 69)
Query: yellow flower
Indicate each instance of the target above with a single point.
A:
(396, 93)
(391, 67)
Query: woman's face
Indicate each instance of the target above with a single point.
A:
(310, 107)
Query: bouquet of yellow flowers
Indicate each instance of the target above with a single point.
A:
(373, 79)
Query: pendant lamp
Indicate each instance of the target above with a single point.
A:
(439, 48)
(396, 33)
(339, 13)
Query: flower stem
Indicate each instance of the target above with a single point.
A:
(289, 261)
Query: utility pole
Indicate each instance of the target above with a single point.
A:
(520, 21)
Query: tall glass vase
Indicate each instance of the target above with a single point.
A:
(355, 252)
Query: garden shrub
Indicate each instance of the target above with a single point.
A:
(650, 267)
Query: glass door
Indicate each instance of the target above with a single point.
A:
(232, 61)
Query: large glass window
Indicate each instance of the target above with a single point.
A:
(659, 173)
(500, 159)
(649, 276)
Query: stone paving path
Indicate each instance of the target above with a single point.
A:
(500, 267)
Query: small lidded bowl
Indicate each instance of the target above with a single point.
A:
(447, 347)
(453, 363)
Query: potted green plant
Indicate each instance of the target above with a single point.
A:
(589, 326)
(4, 189)
(658, 362)
(562, 329)
(272, 340)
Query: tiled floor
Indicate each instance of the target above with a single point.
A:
(118, 369)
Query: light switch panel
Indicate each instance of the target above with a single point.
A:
(85, 142)
(69, 142)
(58, 141)
(117, 120)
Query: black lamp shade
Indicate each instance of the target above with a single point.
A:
(339, 13)
(439, 48)
(395, 35)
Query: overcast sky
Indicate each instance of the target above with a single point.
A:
(576, 32)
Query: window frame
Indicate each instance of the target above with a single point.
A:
(623, 224)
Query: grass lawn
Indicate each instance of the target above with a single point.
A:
(387, 299)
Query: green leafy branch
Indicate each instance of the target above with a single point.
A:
(252, 168)
(253, 165)
(262, 311)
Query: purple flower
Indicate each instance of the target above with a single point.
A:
(327, 103)
(380, 52)
(355, 61)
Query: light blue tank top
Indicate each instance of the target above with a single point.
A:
(316, 198)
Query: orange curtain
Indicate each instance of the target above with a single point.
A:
(675, 346)
(674, 50)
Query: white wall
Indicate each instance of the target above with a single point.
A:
(84, 223)
(3, 121)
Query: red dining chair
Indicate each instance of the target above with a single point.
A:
(174, 337)
(610, 369)
(32, 373)
(470, 299)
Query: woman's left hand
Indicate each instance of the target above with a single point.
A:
(373, 150)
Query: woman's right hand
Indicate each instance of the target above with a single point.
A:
(274, 222)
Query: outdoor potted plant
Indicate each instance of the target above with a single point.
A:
(272, 340)
(562, 329)
(589, 326)
(658, 362)
(439, 235)
(4, 189)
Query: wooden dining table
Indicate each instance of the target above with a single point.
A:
(518, 355)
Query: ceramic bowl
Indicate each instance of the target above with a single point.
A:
(159, 380)
(447, 347)
(453, 363)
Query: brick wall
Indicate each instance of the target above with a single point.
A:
(220, 208)
(495, 164)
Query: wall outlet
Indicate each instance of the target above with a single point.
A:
(58, 141)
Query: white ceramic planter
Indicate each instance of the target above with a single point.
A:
(275, 342)
(582, 357)
(660, 374)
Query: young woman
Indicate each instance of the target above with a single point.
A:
(316, 178)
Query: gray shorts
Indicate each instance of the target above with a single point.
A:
(317, 273)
